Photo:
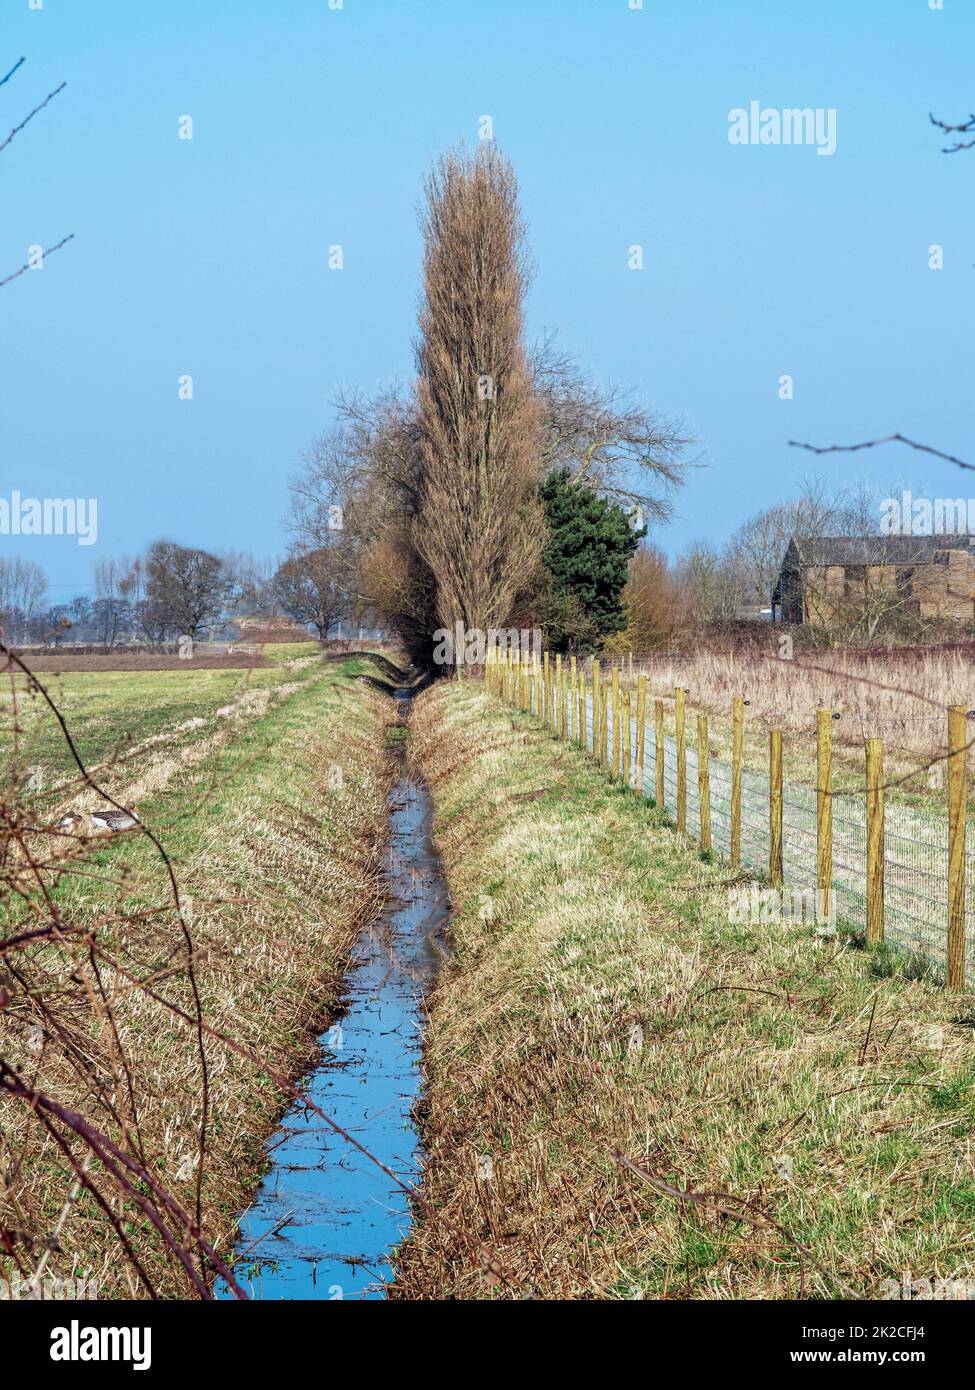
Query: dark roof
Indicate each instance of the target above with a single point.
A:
(873, 550)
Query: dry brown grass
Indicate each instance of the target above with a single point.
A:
(901, 698)
(276, 841)
(816, 1119)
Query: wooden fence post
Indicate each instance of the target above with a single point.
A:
(546, 672)
(704, 780)
(957, 794)
(603, 725)
(874, 749)
(681, 761)
(659, 746)
(572, 697)
(625, 732)
(737, 741)
(641, 730)
(581, 710)
(824, 809)
(564, 717)
(775, 808)
(616, 722)
(556, 712)
(595, 708)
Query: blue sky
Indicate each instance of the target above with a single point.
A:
(315, 126)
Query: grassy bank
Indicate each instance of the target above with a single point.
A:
(275, 837)
(796, 1124)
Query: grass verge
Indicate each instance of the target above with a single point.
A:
(277, 845)
(629, 1095)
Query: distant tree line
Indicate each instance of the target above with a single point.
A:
(170, 592)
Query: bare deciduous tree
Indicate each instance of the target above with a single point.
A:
(436, 486)
(479, 524)
(708, 588)
(621, 449)
(757, 548)
(310, 588)
(23, 586)
(185, 591)
(650, 600)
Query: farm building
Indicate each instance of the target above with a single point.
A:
(827, 579)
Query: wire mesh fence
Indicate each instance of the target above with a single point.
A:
(915, 853)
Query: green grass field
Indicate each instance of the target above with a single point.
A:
(110, 712)
(800, 1124)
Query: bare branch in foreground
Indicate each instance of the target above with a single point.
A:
(50, 252)
(965, 128)
(19, 63)
(873, 443)
(18, 128)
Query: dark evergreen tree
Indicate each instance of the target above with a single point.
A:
(590, 545)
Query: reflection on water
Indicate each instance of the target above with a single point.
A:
(325, 1217)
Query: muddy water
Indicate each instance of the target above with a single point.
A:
(325, 1217)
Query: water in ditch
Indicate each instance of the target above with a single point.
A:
(326, 1218)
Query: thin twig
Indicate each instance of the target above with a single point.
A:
(18, 128)
(19, 63)
(737, 1208)
(44, 254)
(963, 129)
(873, 444)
